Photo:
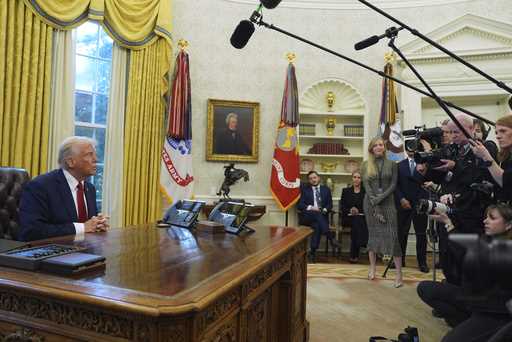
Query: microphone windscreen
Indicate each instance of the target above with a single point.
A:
(270, 3)
(242, 34)
(367, 42)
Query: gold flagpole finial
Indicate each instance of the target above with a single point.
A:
(389, 57)
(291, 57)
(183, 44)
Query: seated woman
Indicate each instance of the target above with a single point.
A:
(472, 321)
(352, 215)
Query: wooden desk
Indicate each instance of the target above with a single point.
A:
(167, 285)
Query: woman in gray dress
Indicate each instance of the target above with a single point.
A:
(380, 176)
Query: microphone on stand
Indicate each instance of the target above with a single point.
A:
(270, 4)
(390, 32)
(242, 34)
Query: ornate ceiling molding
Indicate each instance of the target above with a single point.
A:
(488, 37)
(353, 4)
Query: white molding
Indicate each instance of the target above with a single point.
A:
(499, 33)
(354, 5)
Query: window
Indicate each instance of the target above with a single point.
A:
(92, 87)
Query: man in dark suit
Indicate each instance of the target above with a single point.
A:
(408, 192)
(62, 202)
(229, 140)
(314, 206)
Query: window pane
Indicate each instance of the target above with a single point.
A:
(87, 38)
(85, 73)
(100, 116)
(103, 77)
(83, 107)
(105, 48)
(84, 131)
(100, 146)
(98, 180)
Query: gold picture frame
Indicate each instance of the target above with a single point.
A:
(233, 131)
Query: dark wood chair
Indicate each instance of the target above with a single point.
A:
(12, 181)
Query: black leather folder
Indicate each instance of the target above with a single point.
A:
(73, 263)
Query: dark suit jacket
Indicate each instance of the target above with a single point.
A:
(409, 187)
(348, 200)
(227, 144)
(306, 197)
(47, 208)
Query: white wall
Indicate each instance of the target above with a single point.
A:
(257, 73)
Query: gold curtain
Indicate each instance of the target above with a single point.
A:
(132, 24)
(144, 27)
(144, 133)
(25, 78)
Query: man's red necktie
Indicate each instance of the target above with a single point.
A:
(80, 201)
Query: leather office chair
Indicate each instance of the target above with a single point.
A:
(12, 182)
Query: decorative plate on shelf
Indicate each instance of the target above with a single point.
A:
(307, 165)
(351, 165)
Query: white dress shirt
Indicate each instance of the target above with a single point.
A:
(73, 183)
(315, 204)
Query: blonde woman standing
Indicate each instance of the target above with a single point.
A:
(380, 177)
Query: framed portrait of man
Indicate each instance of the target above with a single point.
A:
(233, 131)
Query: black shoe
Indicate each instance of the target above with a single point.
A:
(424, 268)
(312, 257)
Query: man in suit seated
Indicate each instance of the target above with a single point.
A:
(62, 202)
(408, 192)
(314, 206)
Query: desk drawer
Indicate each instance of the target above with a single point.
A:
(12, 332)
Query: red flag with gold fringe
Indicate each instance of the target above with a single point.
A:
(285, 177)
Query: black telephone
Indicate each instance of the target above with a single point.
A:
(232, 215)
(183, 213)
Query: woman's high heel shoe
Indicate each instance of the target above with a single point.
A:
(398, 282)
(371, 275)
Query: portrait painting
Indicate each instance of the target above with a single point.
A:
(232, 131)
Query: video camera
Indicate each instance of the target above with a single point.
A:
(412, 137)
(487, 263)
(434, 137)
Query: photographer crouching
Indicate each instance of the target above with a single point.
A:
(474, 319)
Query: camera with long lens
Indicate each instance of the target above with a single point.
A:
(429, 207)
(486, 264)
(434, 157)
(412, 137)
(410, 334)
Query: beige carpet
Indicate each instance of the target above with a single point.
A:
(343, 306)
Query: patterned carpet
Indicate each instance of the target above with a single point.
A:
(356, 271)
(344, 306)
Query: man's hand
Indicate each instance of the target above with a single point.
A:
(422, 169)
(102, 223)
(480, 151)
(313, 208)
(354, 211)
(405, 204)
(96, 224)
(441, 218)
(446, 165)
(447, 199)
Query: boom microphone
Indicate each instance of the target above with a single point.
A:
(242, 34)
(390, 32)
(270, 4)
(368, 42)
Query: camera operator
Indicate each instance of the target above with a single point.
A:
(473, 319)
(504, 164)
(469, 205)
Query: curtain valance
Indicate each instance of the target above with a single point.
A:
(132, 24)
